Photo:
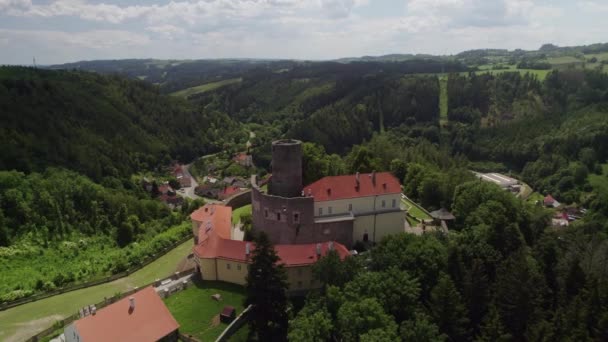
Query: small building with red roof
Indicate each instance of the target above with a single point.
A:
(549, 201)
(218, 257)
(141, 317)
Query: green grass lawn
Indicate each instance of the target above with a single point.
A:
(535, 196)
(236, 214)
(24, 321)
(194, 309)
(415, 211)
(185, 93)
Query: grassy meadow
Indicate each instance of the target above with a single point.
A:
(185, 93)
(21, 322)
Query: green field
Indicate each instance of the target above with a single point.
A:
(22, 322)
(197, 313)
(236, 213)
(564, 60)
(185, 93)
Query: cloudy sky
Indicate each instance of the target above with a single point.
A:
(57, 31)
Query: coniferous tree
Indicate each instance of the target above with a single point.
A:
(266, 286)
(448, 309)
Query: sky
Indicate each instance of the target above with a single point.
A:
(60, 31)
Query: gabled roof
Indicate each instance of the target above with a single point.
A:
(150, 320)
(214, 240)
(442, 214)
(342, 187)
(215, 247)
(549, 200)
(213, 217)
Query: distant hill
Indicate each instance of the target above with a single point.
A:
(98, 125)
(175, 75)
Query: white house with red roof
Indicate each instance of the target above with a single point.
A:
(370, 200)
(218, 257)
(141, 317)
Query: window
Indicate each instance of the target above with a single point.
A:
(320, 211)
(329, 210)
(278, 216)
(299, 271)
(383, 203)
(238, 267)
(365, 237)
(265, 212)
(227, 266)
(394, 203)
(296, 217)
(350, 207)
(299, 284)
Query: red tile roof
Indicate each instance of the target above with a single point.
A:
(164, 188)
(218, 217)
(149, 321)
(341, 187)
(214, 240)
(240, 157)
(214, 247)
(549, 200)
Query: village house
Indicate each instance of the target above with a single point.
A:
(243, 159)
(141, 317)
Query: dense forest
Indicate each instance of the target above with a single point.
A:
(70, 210)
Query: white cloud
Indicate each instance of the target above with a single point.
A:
(594, 6)
(316, 29)
(167, 31)
(97, 39)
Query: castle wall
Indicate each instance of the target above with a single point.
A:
(291, 221)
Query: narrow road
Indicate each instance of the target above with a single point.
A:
(189, 191)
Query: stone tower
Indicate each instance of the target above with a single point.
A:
(286, 178)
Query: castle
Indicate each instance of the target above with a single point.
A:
(347, 209)
(303, 222)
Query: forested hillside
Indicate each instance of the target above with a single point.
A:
(70, 210)
(102, 126)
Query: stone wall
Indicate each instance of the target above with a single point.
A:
(291, 220)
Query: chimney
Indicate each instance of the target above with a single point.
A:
(357, 181)
(374, 178)
(318, 250)
(330, 245)
(131, 303)
(247, 249)
(212, 210)
(328, 191)
(309, 192)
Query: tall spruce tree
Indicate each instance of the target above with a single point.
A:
(266, 286)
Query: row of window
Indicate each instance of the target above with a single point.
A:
(238, 266)
(350, 207)
(279, 216)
